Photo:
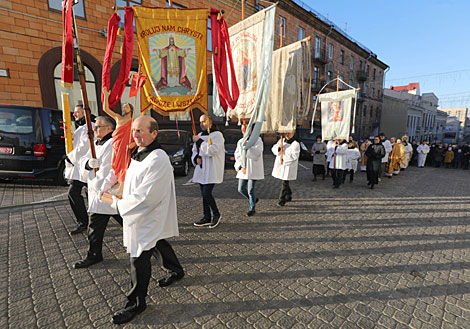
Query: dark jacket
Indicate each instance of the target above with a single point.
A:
(375, 153)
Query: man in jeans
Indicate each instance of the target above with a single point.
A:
(209, 160)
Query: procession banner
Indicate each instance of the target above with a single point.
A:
(172, 52)
(336, 108)
(66, 75)
(291, 81)
(250, 41)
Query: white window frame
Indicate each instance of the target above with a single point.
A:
(301, 33)
(330, 50)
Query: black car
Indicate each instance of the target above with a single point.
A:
(231, 136)
(306, 140)
(178, 146)
(31, 143)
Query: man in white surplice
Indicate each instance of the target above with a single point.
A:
(148, 209)
(423, 150)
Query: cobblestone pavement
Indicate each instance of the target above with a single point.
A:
(393, 257)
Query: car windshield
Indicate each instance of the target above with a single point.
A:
(16, 121)
(232, 136)
(304, 134)
(171, 137)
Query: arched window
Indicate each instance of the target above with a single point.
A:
(75, 94)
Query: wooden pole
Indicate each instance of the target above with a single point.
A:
(81, 76)
(243, 9)
(194, 130)
(282, 35)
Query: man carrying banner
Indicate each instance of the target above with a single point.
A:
(81, 146)
(285, 165)
(148, 209)
(338, 162)
(100, 212)
(209, 160)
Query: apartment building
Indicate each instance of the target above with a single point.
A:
(31, 37)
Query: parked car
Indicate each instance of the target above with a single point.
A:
(231, 136)
(306, 140)
(178, 146)
(31, 143)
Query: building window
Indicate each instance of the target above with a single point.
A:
(78, 9)
(351, 82)
(127, 3)
(209, 35)
(380, 76)
(340, 82)
(341, 57)
(351, 63)
(373, 74)
(360, 65)
(282, 26)
(372, 93)
(75, 94)
(330, 51)
(367, 68)
(329, 76)
(301, 33)
(317, 46)
(316, 83)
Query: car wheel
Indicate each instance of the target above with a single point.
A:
(185, 170)
(60, 178)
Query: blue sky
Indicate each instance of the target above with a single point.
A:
(418, 40)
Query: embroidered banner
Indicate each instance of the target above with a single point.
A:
(291, 84)
(251, 40)
(336, 108)
(172, 53)
(67, 45)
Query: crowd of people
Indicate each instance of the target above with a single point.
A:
(382, 157)
(130, 178)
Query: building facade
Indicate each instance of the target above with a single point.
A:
(31, 38)
(424, 121)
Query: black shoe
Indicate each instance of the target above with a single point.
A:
(88, 262)
(289, 198)
(282, 203)
(78, 230)
(165, 282)
(250, 213)
(368, 183)
(215, 221)
(256, 200)
(203, 222)
(371, 186)
(128, 314)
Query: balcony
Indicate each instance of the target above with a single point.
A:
(319, 56)
(362, 75)
(317, 84)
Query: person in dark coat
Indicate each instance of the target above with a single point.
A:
(374, 153)
(466, 156)
(414, 156)
(438, 155)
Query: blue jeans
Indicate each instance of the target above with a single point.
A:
(208, 201)
(246, 187)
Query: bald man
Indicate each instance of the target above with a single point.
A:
(148, 210)
(209, 161)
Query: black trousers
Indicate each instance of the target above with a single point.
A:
(349, 172)
(77, 203)
(337, 175)
(286, 192)
(208, 201)
(96, 228)
(141, 270)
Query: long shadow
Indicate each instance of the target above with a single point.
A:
(327, 225)
(182, 312)
(420, 269)
(374, 238)
(329, 253)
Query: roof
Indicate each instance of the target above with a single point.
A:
(411, 86)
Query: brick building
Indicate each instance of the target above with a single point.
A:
(31, 36)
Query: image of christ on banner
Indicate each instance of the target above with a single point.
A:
(335, 111)
(173, 63)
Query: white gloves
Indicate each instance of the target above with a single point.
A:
(94, 163)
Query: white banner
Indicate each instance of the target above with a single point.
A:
(249, 41)
(336, 108)
(291, 84)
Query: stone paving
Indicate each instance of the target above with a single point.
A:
(393, 257)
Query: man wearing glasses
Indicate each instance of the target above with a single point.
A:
(96, 171)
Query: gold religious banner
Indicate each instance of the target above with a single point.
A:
(172, 53)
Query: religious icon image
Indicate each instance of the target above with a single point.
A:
(173, 64)
(335, 111)
(246, 67)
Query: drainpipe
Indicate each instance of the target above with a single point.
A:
(383, 95)
(363, 114)
(326, 50)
